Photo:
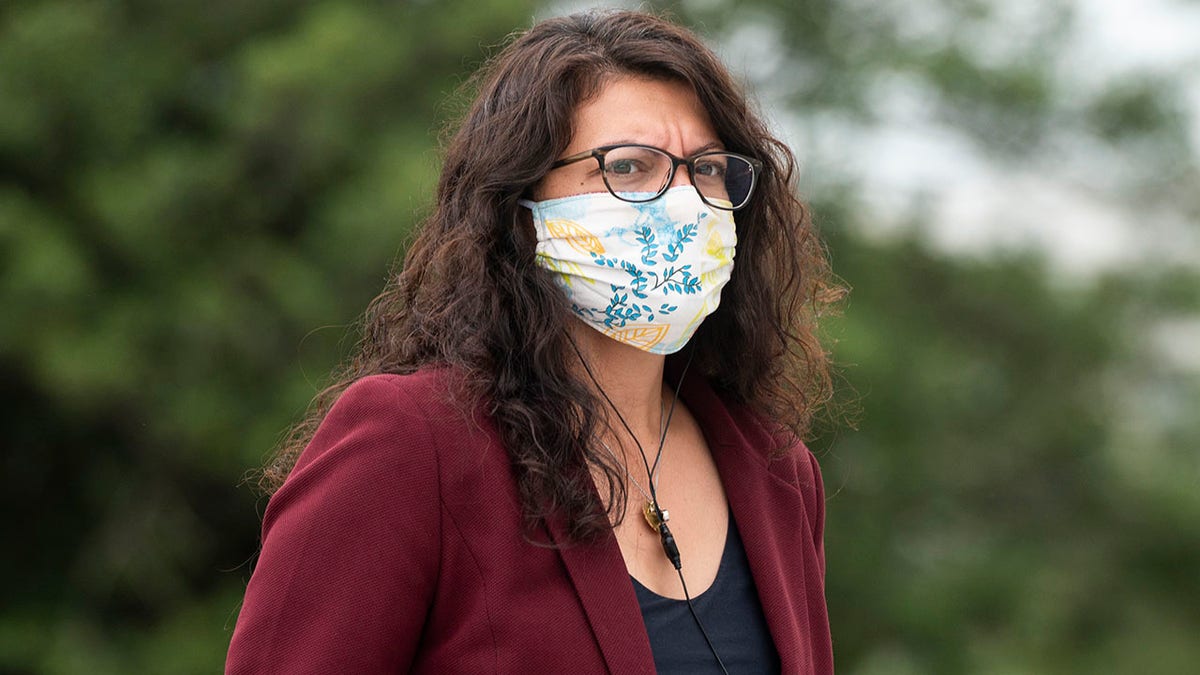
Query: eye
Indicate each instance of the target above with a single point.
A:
(710, 167)
(629, 161)
(624, 167)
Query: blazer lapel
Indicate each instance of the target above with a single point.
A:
(602, 583)
(770, 514)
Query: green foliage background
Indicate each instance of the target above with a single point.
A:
(197, 199)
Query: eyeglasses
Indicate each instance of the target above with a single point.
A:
(642, 173)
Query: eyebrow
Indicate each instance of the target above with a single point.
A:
(713, 145)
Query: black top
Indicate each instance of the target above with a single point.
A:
(731, 613)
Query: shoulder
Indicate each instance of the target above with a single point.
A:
(363, 500)
(424, 392)
(789, 461)
(769, 442)
(384, 408)
(381, 436)
(770, 445)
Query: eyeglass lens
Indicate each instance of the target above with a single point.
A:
(723, 179)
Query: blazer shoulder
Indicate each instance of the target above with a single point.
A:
(786, 455)
(352, 541)
(788, 458)
(431, 389)
(381, 409)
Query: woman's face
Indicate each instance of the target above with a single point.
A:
(663, 113)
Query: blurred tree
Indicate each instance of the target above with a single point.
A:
(1021, 494)
(187, 190)
(987, 516)
(197, 199)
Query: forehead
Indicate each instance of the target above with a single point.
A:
(629, 109)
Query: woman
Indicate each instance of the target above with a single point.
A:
(568, 442)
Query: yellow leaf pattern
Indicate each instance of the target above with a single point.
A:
(575, 236)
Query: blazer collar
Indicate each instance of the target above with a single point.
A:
(769, 510)
(769, 513)
(602, 583)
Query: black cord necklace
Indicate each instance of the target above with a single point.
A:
(670, 548)
(649, 513)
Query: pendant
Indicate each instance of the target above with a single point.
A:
(651, 515)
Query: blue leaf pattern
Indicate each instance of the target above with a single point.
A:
(673, 279)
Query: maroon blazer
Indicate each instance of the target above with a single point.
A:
(396, 545)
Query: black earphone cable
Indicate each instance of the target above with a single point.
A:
(692, 608)
(670, 548)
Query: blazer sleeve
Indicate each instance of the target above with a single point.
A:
(351, 545)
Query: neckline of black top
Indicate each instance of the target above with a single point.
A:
(730, 611)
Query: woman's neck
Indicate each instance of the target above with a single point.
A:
(630, 377)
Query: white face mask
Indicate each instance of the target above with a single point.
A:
(644, 274)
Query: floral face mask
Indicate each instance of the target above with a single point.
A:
(645, 274)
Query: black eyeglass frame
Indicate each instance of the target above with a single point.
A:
(756, 167)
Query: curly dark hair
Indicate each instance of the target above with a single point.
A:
(509, 333)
